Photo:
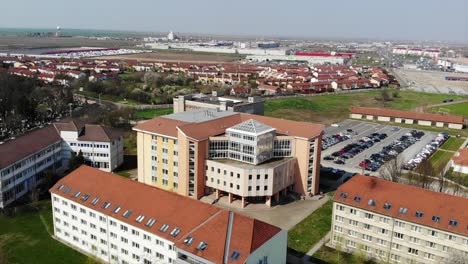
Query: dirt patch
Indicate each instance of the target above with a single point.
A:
(176, 57)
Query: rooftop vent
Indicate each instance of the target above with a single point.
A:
(188, 241)
(140, 218)
(202, 246)
(106, 205)
(150, 222)
(85, 197)
(116, 209)
(235, 255)
(67, 190)
(127, 213)
(95, 201)
(164, 228)
(175, 232)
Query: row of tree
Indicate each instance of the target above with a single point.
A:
(424, 176)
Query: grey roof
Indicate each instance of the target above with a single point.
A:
(252, 126)
(198, 116)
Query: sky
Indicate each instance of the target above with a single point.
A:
(444, 20)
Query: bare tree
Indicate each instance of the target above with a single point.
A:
(425, 171)
(392, 170)
(441, 178)
(457, 258)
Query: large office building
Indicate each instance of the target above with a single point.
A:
(24, 159)
(244, 156)
(182, 103)
(118, 220)
(398, 223)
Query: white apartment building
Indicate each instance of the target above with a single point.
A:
(101, 146)
(24, 159)
(398, 223)
(92, 214)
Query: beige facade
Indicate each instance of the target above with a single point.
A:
(391, 239)
(188, 165)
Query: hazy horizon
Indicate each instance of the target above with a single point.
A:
(430, 20)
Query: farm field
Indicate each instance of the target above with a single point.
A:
(172, 56)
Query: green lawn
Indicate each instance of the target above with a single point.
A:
(130, 143)
(455, 109)
(26, 238)
(123, 173)
(333, 108)
(453, 143)
(333, 256)
(309, 231)
(150, 113)
(439, 159)
(457, 177)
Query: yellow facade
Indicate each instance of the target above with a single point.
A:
(146, 175)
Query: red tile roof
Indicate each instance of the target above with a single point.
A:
(461, 158)
(27, 144)
(409, 115)
(430, 203)
(194, 218)
(161, 125)
(204, 130)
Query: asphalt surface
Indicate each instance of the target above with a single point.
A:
(364, 129)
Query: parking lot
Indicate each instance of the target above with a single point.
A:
(433, 81)
(360, 133)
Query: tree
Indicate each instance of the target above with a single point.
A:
(441, 177)
(392, 170)
(425, 171)
(457, 258)
(76, 160)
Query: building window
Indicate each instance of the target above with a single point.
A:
(413, 251)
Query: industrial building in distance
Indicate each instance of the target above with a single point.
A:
(182, 103)
(118, 220)
(394, 222)
(247, 157)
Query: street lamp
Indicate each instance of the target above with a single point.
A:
(70, 105)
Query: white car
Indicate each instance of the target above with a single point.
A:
(335, 125)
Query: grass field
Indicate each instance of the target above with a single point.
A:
(455, 109)
(309, 231)
(439, 159)
(150, 113)
(329, 109)
(333, 256)
(453, 143)
(457, 177)
(26, 238)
